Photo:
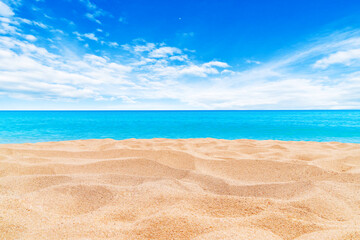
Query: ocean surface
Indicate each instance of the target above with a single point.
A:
(41, 126)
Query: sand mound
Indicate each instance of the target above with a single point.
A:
(180, 189)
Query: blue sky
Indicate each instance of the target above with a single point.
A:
(97, 54)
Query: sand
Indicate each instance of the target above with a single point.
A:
(180, 189)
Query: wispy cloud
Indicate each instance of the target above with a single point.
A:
(321, 74)
(81, 37)
(5, 10)
(342, 57)
(252, 61)
(90, 36)
(95, 11)
(164, 52)
(113, 44)
(92, 18)
(29, 22)
(36, 73)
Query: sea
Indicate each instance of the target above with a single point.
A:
(287, 125)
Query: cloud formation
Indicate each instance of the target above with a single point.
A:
(341, 57)
(5, 10)
(94, 11)
(319, 75)
(81, 37)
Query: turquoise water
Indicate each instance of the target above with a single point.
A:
(40, 126)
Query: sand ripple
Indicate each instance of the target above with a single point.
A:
(180, 189)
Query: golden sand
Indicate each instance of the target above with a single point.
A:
(180, 189)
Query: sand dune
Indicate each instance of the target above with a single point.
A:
(180, 189)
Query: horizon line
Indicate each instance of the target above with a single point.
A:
(159, 110)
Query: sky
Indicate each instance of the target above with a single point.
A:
(179, 54)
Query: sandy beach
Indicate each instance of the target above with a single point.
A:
(180, 189)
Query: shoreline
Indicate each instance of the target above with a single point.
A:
(202, 188)
(181, 139)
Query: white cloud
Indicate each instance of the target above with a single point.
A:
(95, 11)
(89, 4)
(4, 19)
(6, 28)
(90, 36)
(203, 70)
(216, 64)
(197, 71)
(78, 36)
(57, 31)
(155, 71)
(36, 73)
(341, 57)
(39, 24)
(92, 18)
(34, 23)
(81, 37)
(142, 48)
(179, 57)
(113, 44)
(164, 52)
(30, 38)
(5, 10)
(252, 61)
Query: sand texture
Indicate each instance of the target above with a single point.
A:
(180, 189)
